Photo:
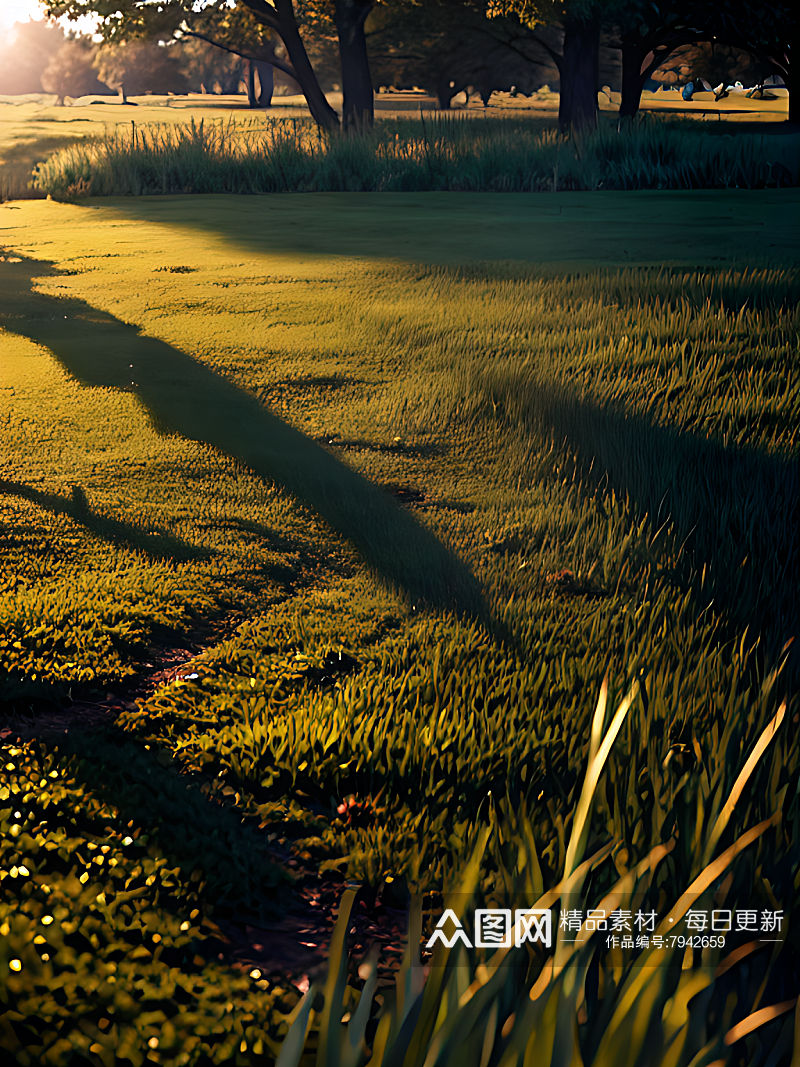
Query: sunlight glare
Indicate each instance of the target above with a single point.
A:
(12, 11)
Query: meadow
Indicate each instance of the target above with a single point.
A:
(499, 491)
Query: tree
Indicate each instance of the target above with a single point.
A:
(713, 63)
(71, 70)
(26, 53)
(772, 33)
(448, 47)
(233, 29)
(649, 31)
(204, 65)
(137, 67)
(235, 33)
(358, 105)
(110, 66)
(349, 18)
(580, 23)
(216, 23)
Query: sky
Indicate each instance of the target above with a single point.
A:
(12, 11)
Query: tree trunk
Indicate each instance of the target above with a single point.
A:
(266, 83)
(633, 56)
(250, 81)
(579, 67)
(790, 79)
(358, 109)
(639, 60)
(444, 94)
(321, 111)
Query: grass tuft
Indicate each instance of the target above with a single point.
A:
(441, 153)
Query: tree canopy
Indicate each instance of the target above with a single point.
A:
(456, 41)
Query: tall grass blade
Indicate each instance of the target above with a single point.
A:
(580, 826)
(752, 761)
(292, 1047)
(328, 1051)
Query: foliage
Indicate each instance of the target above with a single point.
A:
(71, 71)
(205, 66)
(444, 47)
(135, 67)
(715, 63)
(492, 156)
(253, 29)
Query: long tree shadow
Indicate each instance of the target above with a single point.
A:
(734, 511)
(183, 396)
(78, 508)
(615, 229)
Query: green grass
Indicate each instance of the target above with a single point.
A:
(665, 1005)
(491, 155)
(105, 920)
(589, 471)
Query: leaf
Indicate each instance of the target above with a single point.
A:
(759, 1018)
(356, 1030)
(294, 1042)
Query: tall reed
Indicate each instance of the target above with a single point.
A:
(491, 155)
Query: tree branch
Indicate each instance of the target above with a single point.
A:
(512, 45)
(555, 56)
(362, 18)
(273, 62)
(527, 35)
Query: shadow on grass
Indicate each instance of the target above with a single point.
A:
(183, 396)
(735, 511)
(78, 508)
(238, 875)
(556, 231)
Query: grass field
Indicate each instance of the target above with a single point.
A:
(491, 449)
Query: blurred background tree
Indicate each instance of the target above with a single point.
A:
(25, 53)
(139, 67)
(252, 30)
(714, 63)
(448, 47)
(210, 69)
(71, 70)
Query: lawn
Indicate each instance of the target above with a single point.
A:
(440, 463)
